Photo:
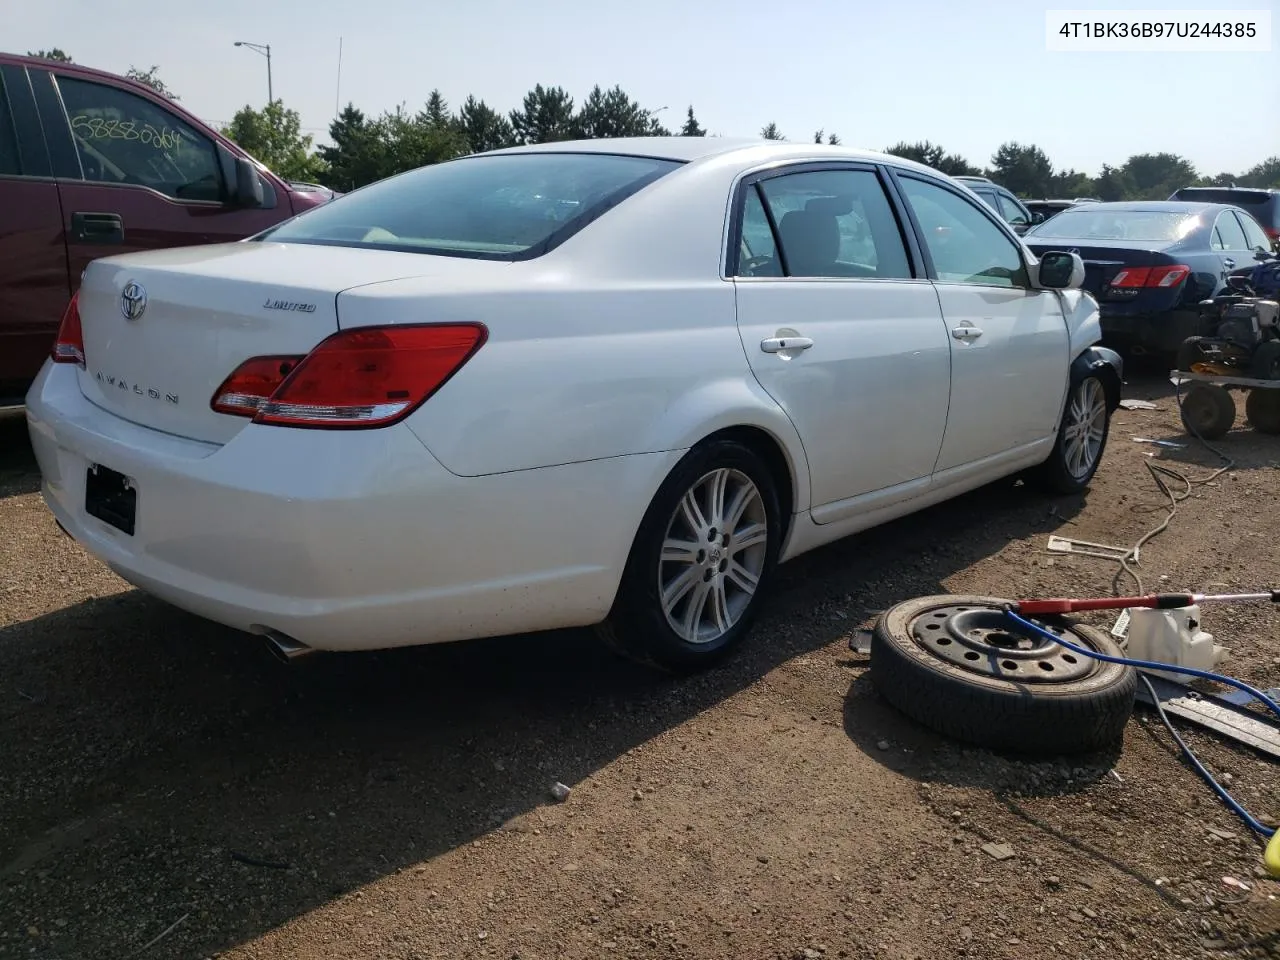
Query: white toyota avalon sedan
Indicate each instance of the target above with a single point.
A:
(612, 382)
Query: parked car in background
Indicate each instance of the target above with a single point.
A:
(1149, 263)
(1042, 210)
(1013, 210)
(1262, 204)
(93, 164)
(370, 427)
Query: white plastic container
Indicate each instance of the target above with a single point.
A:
(1172, 636)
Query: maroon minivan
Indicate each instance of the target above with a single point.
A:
(92, 164)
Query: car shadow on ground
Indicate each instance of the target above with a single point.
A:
(146, 748)
(18, 471)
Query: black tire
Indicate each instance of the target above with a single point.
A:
(1265, 364)
(1189, 352)
(638, 626)
(1056, 475)
(1077, 716)
(1208, 411)
(1262, 408)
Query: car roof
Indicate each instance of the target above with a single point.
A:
(64, 67)
(1156, 206)
(692, 149)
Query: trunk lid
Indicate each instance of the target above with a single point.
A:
(1104, 259)
(208, 309)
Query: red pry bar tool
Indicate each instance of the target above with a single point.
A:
(1158, 601)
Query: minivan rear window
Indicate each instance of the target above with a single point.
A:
(503, 207)
(1210, 195)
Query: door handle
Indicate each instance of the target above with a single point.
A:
(1228, 262)
(97, 227)
(966, 331)
(778, 344)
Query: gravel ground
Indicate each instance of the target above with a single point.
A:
(165, 777)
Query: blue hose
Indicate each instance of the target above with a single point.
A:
(1236, 807)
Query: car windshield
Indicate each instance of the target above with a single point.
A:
(1095, 224)
(504, 207)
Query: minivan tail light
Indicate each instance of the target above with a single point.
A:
(69, 345)
(365, 377)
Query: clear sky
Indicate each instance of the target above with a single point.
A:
(966, 75)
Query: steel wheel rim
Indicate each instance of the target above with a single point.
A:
(713, 554)
(1085, 427)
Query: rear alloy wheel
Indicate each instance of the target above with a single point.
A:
(1208, 411)
(1082, 437)
(704, 551)
(958, 665)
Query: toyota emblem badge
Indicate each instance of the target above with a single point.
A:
(133, 300)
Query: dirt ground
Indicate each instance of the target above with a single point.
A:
(164, 777)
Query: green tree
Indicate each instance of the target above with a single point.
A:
(833, 140)
(151, 79)
(932, 155)
(1024, 170)
(358, 154)
(483, 127)
(273, 135)
(413, 140)
(56, 53)
(691, 128)
(1265, 174)
(612, 113)
(436, 113)
(1112, 184)
(770, 131)
(1155, 176)
(546, 115)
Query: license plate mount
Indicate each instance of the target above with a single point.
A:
(111, 497)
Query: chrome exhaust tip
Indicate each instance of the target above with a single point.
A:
(285, 648)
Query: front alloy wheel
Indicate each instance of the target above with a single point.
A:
(1085, 428)
(1082, 437)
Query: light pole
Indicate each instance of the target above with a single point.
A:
(265, 50)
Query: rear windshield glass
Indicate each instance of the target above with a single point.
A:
(507, 207)
(1209, 195)
(1091, 223)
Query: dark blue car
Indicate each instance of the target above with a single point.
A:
(1149, 263)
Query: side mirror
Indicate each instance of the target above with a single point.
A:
(1037, 218)
(248, 191)
(1061, 271)
(1263, 254)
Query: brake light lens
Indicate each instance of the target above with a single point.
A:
(69, 345)
(1168, 276)
(252, 383)
(366, 377)
(1130, 278)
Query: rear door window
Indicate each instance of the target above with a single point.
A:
(123, 138)
(10, 163)
(1253, 234)
(835, 223)
(1010, 210)
(1228, 234)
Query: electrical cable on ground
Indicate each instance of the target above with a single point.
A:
(1174, 499)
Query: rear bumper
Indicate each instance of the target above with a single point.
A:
(1151, 332)
(343, 540)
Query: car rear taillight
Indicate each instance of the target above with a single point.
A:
(69, 345)
(252, 383)
(366, 377)
(1132, 277)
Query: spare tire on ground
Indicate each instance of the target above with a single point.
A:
(959, 666)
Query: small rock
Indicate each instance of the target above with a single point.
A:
(810, 954)
(1077, 917)
(1089, 913)
(997, 851)
(882, 745)
(482, 935)
(966, 933)
(637, 795)
(762, 858)
(1236, 884)
(560, 792)
(1053, 883)
(1222, 834)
